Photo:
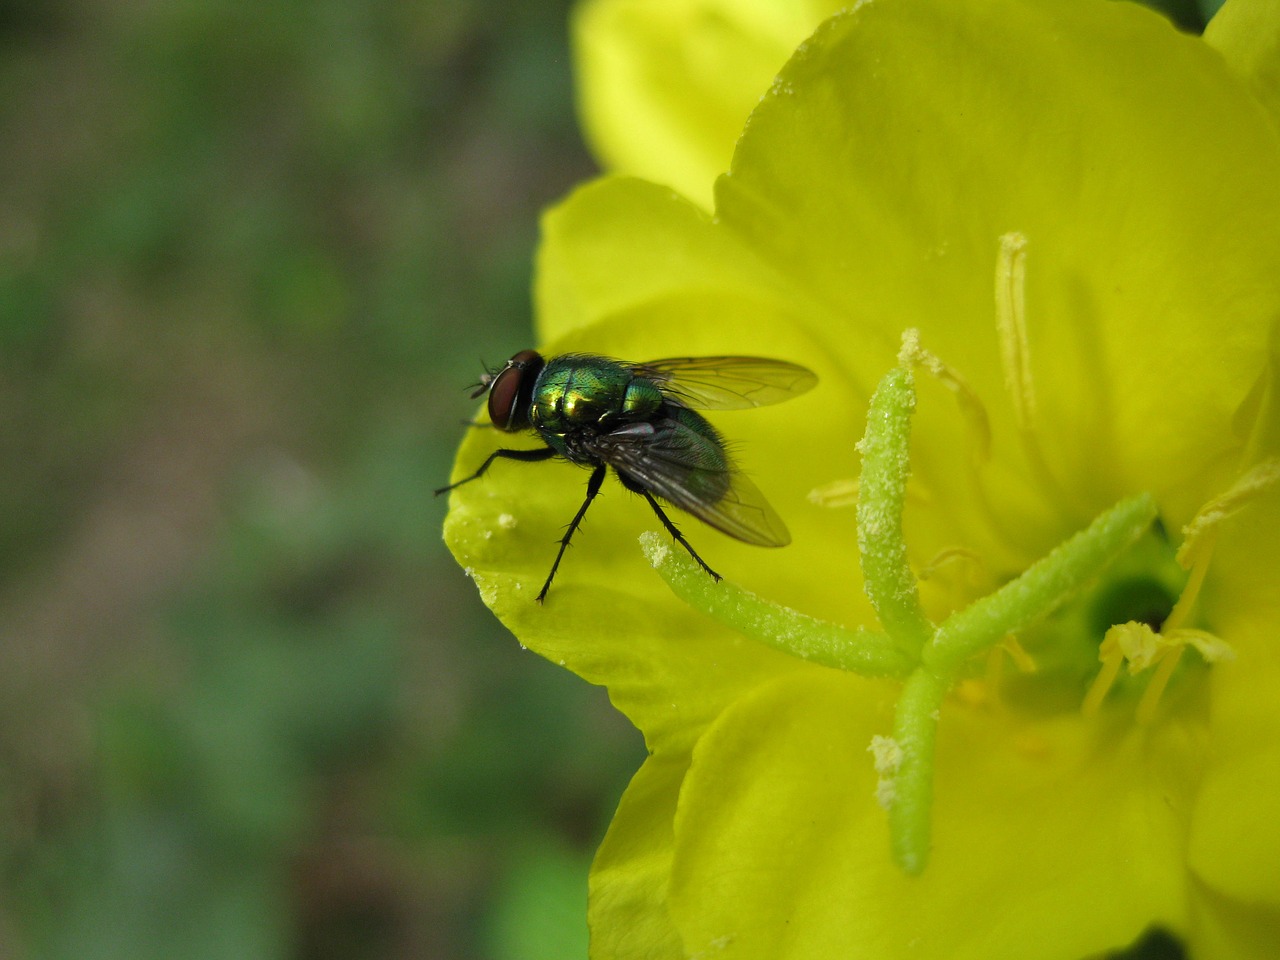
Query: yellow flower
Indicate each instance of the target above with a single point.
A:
(666, 84)
(1077, 207)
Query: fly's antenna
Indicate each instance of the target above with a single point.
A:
(478, 390)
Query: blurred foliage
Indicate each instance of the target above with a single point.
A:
(250, 707)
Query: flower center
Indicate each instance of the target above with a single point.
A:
(1116, 591)
(930, 659)
(1147, 646)
(1141, 588)
(1144, 600)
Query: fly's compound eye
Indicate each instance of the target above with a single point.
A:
(512, 390)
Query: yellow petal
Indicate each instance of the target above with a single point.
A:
(665, 86)
(1050, 841)
(627, 914)
(1141, 172)
(1247, 34)
(1234, 844)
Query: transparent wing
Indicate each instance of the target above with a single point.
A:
(689, 470)
(727, 383)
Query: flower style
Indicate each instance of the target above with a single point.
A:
(1077, 209)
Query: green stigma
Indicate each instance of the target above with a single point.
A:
(928, 659)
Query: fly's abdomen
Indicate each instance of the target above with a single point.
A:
(702, 450)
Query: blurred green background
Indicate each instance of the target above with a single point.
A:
(249, 706)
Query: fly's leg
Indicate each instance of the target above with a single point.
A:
(528, 456)
(593, 487)
(671, 527)
(675, 532)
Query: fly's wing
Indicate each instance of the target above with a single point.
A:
(689, 469)
(727, 383)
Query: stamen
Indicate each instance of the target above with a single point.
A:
(1145, 649)
(1199, 537)
(842, 493)
(957, 574)
(1200, 556)
(1011, 326)
(971, 406)
(1008, 649)
(1015, 353)
(1042, 587)
(1212, 649)
(1251, 485)
(1018, 654)
(1257, 419)
(974, 413)
(837, 493)
(1139, 643)
(949, 556)
(1155, 687)
(1112, 658)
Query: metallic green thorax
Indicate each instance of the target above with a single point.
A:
(576, 392)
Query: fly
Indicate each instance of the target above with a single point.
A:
(641, 420)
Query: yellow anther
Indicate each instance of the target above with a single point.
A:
(1257, 419)
(1007, 648)
(837, 493)
(972, 692)
(844, 493)
(1252, 484)
(910, 348)
(1212, 649)
(1018, 654)
(1015, 353)
(971, 406)
(948, 557)
(1200, 535)
(1199, 557)
(1139, 644)
(1011, 326)
(1144, 649)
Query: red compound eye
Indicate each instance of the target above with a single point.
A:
(511, 390)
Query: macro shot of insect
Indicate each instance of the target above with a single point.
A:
(640, 419)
